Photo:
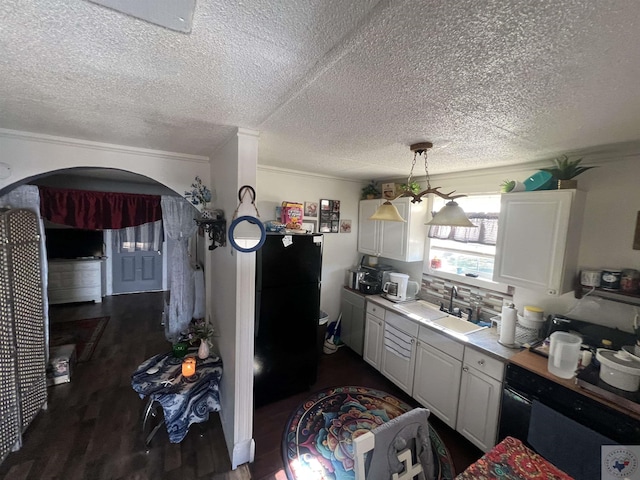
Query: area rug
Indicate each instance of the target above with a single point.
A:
(317, 438)
(85, 334)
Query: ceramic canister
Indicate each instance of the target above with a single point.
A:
(610, 279)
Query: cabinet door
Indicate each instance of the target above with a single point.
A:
(393, 239)
(536, 246)
(398, 358)
(478, 408)
(368, 230)
(352, 323)
(373, 340)
(436, 382)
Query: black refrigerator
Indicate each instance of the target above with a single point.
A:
(288, 273)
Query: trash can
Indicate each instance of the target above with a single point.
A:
(323, 321)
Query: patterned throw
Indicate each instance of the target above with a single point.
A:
(317, 441)
(512, 460)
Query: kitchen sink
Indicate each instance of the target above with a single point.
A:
(457, 325)
(430, 314)
(421, 310)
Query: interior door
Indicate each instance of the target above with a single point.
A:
(137, 271)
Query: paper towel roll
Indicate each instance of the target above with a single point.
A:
(508, 325)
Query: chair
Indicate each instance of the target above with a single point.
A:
(397, 450)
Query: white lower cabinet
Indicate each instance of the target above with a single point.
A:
(461, 385)
(352, 323)
(436, 383)
(373, 332)
(480, 394)
(399, 350)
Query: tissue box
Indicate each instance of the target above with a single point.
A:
(62, 361)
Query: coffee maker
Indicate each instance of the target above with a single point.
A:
(373, 279)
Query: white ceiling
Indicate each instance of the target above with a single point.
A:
(335, 87)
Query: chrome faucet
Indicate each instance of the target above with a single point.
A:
(451, 310)
(454, 294)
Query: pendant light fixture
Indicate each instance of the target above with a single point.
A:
(450, 215)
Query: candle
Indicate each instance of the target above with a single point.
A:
(188, 366)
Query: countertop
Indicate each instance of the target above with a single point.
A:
(485, 341)
(538, 365)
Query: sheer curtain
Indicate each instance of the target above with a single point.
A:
(177, 217)
(146, 237)
(28, 197)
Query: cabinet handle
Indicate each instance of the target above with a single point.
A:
(465, 369)
(481, 362)
(413, 340)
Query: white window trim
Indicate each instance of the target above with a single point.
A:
(463, 279)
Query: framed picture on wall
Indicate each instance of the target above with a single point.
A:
(329, 216)
(309, 226)
(345, 226)
(311, 209)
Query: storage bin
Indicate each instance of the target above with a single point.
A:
(62, 361)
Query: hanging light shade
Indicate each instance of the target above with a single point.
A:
(450, 215)
(387, 212)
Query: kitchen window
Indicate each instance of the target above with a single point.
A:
(465, 251)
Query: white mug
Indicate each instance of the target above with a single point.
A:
(590, 278)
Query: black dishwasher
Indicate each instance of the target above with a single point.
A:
(523, 386)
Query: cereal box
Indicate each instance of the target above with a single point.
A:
(292, 215)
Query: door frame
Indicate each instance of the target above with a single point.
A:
(107, 271)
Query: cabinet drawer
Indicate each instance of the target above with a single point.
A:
(404, 325)
(441, 342)
(69, 295)
(375, 310)
(80, 278)
(484, 363)
(74, 266)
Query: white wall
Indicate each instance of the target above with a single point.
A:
(340, 249)
(28, 155)
(231, 297)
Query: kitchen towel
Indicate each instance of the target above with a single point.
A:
(508, 325)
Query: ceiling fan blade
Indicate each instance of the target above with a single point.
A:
(173, 14)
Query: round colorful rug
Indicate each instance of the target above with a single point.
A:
(317, 444)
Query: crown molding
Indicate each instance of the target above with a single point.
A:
(108, 147)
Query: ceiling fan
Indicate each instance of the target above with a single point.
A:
(173, 14)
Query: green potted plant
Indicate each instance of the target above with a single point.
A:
(371, 190)
(565, 170)
(413, 187)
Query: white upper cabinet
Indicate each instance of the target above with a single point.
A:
(403, 241)
(538, 240)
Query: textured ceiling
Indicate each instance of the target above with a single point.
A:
(334, 87)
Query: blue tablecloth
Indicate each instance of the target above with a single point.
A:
(184, 400)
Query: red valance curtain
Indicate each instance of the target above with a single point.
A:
(98, 210)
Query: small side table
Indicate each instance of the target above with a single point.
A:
(184, 401)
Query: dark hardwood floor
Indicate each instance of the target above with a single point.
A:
(339, 369)
(92, 427)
